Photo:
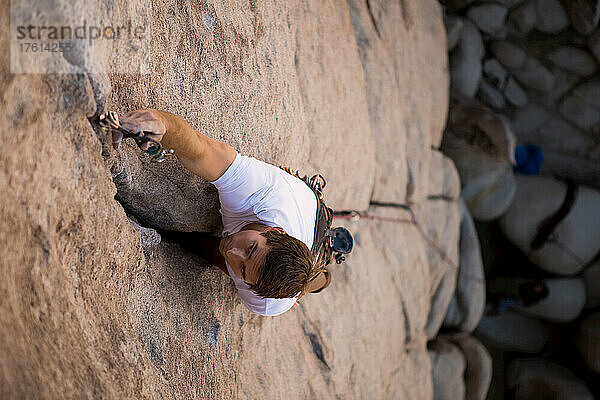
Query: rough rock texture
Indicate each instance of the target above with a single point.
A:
(468, 302)
(400, 48)
(261, 84)
(439, 220)
(95, 307)
(443, 177)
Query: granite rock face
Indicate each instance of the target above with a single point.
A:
(261, 85)
(96, 304)
(400, 47)
(467, 304)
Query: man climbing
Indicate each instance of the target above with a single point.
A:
(269, 215)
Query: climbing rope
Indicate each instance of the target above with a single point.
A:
(357, 215)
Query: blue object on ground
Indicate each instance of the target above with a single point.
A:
(529, 159)
(507, 303)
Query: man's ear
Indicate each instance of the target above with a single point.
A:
(275, 228)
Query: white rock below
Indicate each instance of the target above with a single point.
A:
(564, 303)
(511, 331)
(465, 60)
(588, 341)
(591, 276)
(448, 367)
(488, 17)
(573, 60)
(468, 302)
(574, 243)
(536, 378)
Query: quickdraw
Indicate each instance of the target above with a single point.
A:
(316, 182)
(109, 122)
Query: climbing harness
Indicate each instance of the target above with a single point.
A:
(329, 242)
(109, 122)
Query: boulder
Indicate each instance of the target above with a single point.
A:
(584, 171)
(591, 276)
(455, 5)
(534, 75)
(528, 120)
(563, 83)
(447, 370)
(588, 341)
(573, 243)
(552, 133)
(584, 15)
(573, 60)
(536, 378)
(454, 27)
(468, 302)
(551, 16)
(478, 372)
(489, 17)
(506, 3)
(589, 92)
(495, 73)
(511, 331)
(465, 61)
(594, 44)
(515, 94)
(560, 135)
(524, 18)
(491, 96)
(509, 54)
(564, 303)
(481, 145)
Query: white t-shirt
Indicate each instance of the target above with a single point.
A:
(254, 191)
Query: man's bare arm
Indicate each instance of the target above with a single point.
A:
(201, 155)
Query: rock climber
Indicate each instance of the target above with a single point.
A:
(269, 215)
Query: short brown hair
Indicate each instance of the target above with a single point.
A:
(287, 269)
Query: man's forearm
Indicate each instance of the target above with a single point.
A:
(180, 136)
(203, 156)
